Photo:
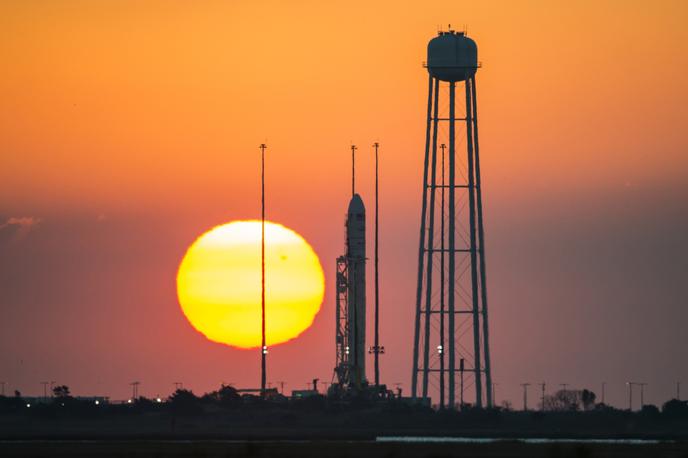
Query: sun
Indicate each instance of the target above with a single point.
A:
(219, 284)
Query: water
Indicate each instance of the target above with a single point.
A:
(525, 440)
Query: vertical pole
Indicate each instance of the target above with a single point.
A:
(461, 370)
(421, 245)
(678, 391)
(481, 243)
(431, 247)
(603, 390)
(452, 242)
(353, 170)
(338, 339)
(442, 311)
(542, 407)
(377, 279)
(263, 346)
(474, 265)
(642, 395)
(353, 317)
(630, 396)
(525, 395)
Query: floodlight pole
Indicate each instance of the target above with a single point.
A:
(377, 278)
(263, 347)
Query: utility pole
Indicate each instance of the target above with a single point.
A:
(134, 390)
(630, 395)
(281, 384)
(263, 346)
(603, 386)
(542, 386)
(525, 395)
(377, 278)
(642, 395)
(45, 389)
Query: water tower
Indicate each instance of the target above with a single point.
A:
(451, 354)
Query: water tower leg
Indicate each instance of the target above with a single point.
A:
(451, 280)
(421, 247)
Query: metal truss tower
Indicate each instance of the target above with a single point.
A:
(451, 325)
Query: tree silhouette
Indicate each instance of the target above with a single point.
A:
(61, 391)
(588, 399)
(227, 394)
(675, 409)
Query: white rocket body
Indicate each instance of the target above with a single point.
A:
(356, 255)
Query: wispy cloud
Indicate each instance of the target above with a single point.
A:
(19, 226)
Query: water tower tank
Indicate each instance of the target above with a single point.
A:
(452, 56)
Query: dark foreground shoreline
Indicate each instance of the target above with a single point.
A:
(314, 430)
(335, 449)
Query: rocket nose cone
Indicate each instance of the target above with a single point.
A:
(356, 204)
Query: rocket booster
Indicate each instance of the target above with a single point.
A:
(356, 254)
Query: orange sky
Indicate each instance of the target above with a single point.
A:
(116, 111)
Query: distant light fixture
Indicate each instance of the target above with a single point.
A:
(159, 400)
(128, 401)
(97, 402)
(28, 405)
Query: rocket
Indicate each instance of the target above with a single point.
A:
(356, 257)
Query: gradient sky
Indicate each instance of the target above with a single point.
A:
(128, 128)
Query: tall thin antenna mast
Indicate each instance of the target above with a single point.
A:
(353, 170)
(263, 346)
(377, 290)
